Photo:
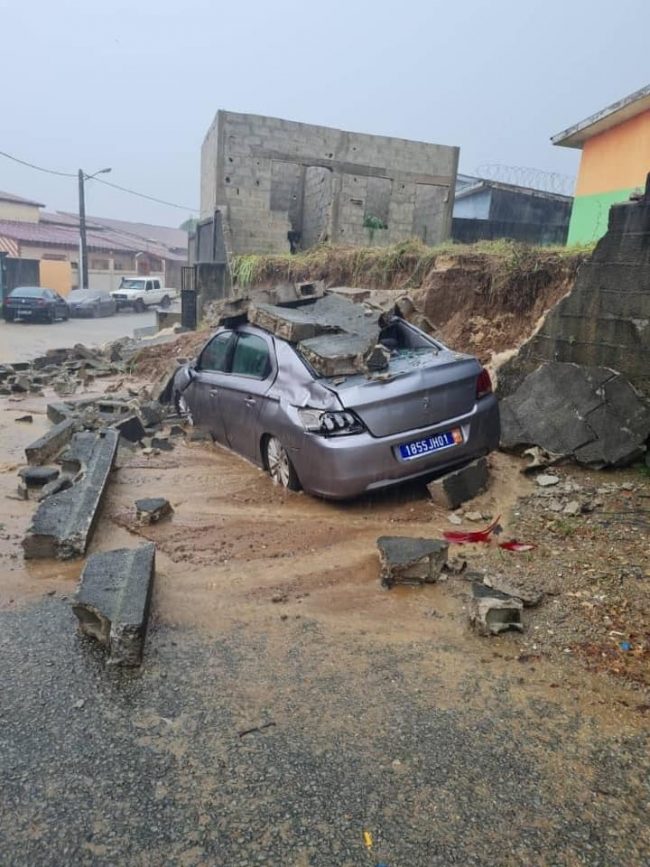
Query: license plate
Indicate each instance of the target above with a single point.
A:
(23, 312)
(420, 448)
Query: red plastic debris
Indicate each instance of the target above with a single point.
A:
(514, 545)
(460, 537)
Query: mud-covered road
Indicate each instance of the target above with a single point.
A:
(287, 704)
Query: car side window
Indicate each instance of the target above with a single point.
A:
(148, 286)
(215, 355)
(251, 357)
(156, 284)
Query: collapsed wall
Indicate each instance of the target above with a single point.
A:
(605, 320)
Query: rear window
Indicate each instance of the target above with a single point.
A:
(251, 357)
(28, 292)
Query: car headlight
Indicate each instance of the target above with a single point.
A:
(330, 424)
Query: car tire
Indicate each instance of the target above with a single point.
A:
(278, 465)
(66, 315)
(139, 306)
(51, 316)
(165, 302)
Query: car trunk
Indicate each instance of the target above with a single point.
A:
(419, 390)
(23, 304)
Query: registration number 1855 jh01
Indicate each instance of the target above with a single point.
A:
(419, 448)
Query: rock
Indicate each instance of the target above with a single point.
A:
(36, 477)
(150, 510)
(458, 486)
(50, 444)
(113, 600)
(131, 428)
(28, 419)
(454, 519)
(572, 508)
(64, 522)
(377, 358)
(591, 413)
(545, 481)
(473, 516)
(163, 443)
(21, 383)
(492, 612)
(177, 430)
(406, 560)
(196, 435)
(152, 413)
(21, 491)
(554, 506)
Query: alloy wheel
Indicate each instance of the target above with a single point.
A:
(278, 462)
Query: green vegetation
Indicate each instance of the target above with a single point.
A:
(406, 265)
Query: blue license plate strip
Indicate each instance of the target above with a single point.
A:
(428, 445)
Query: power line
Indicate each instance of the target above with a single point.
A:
(38, 168)
(145, 196)
(100, 181)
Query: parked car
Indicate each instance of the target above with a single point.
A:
(91, 302)
(142, 292)
(34, 302)
(339, 437)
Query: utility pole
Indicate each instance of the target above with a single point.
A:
(83, 246)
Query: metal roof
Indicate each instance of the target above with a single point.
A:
(630, 106)
(467, 188)
(10, 197)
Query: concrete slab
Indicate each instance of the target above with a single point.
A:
(51, 443)
(459, 486)
(113, 600)
(64, 522)
(406, 560)
(492, 612)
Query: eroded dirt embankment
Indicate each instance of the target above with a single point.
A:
(482, 298)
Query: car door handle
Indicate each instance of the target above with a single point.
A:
(214, 392)
(250, 401)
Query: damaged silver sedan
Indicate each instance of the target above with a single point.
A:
(339, 429)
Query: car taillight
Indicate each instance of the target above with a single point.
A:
(41, 302)
(483, 384)
(330, 424)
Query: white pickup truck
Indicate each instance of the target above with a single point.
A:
(142, 292)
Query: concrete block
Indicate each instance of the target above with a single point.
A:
(131, 428)
(150, 510)
(50, 444)
(406, 560)
(36, 477)
(63, 523)
(113, 601)
(458, 486)
(492, 612)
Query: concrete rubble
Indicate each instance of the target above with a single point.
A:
(113, 601)
(150, 510)
(51, 443)
(63, 522)
(405, 560)
(460, 485)
(591, 414)
(492, 612)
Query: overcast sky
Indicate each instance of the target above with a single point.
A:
(134, 84)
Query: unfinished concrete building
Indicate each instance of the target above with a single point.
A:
(271, 185)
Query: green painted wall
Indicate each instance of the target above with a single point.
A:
(589, 215)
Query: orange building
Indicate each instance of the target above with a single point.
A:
(615, 144)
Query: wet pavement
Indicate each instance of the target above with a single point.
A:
(20, 341)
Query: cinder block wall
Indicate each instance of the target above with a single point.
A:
(278, 176)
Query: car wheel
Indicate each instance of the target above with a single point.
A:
(279, 466)
(165, 301)
(182, 408)
(66, 315)
(139, 306)
(51, 315)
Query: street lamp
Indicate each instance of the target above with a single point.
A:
(83, 250)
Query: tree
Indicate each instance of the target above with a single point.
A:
(189, 225)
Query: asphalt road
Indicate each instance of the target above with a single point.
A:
(20, 341)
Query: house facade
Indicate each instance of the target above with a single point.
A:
(615, 159)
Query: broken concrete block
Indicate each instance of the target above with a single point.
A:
(114, 599)
(131, 428)
(63, 523)
(163, 443)
(36, 477)
(196, 435)
(406, 560)
(152, 413)
(458, 486)
(378, 358)
(492, 612)
(150, 510)
(62, 483)
(590, 413)
(530, 598)
(50, 444)
(177, 430)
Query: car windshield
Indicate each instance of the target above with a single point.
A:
(27, 292)
(81, 295)
(132, 284)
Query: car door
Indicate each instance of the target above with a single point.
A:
(242, 392)
(203, 395)
(158, 291)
